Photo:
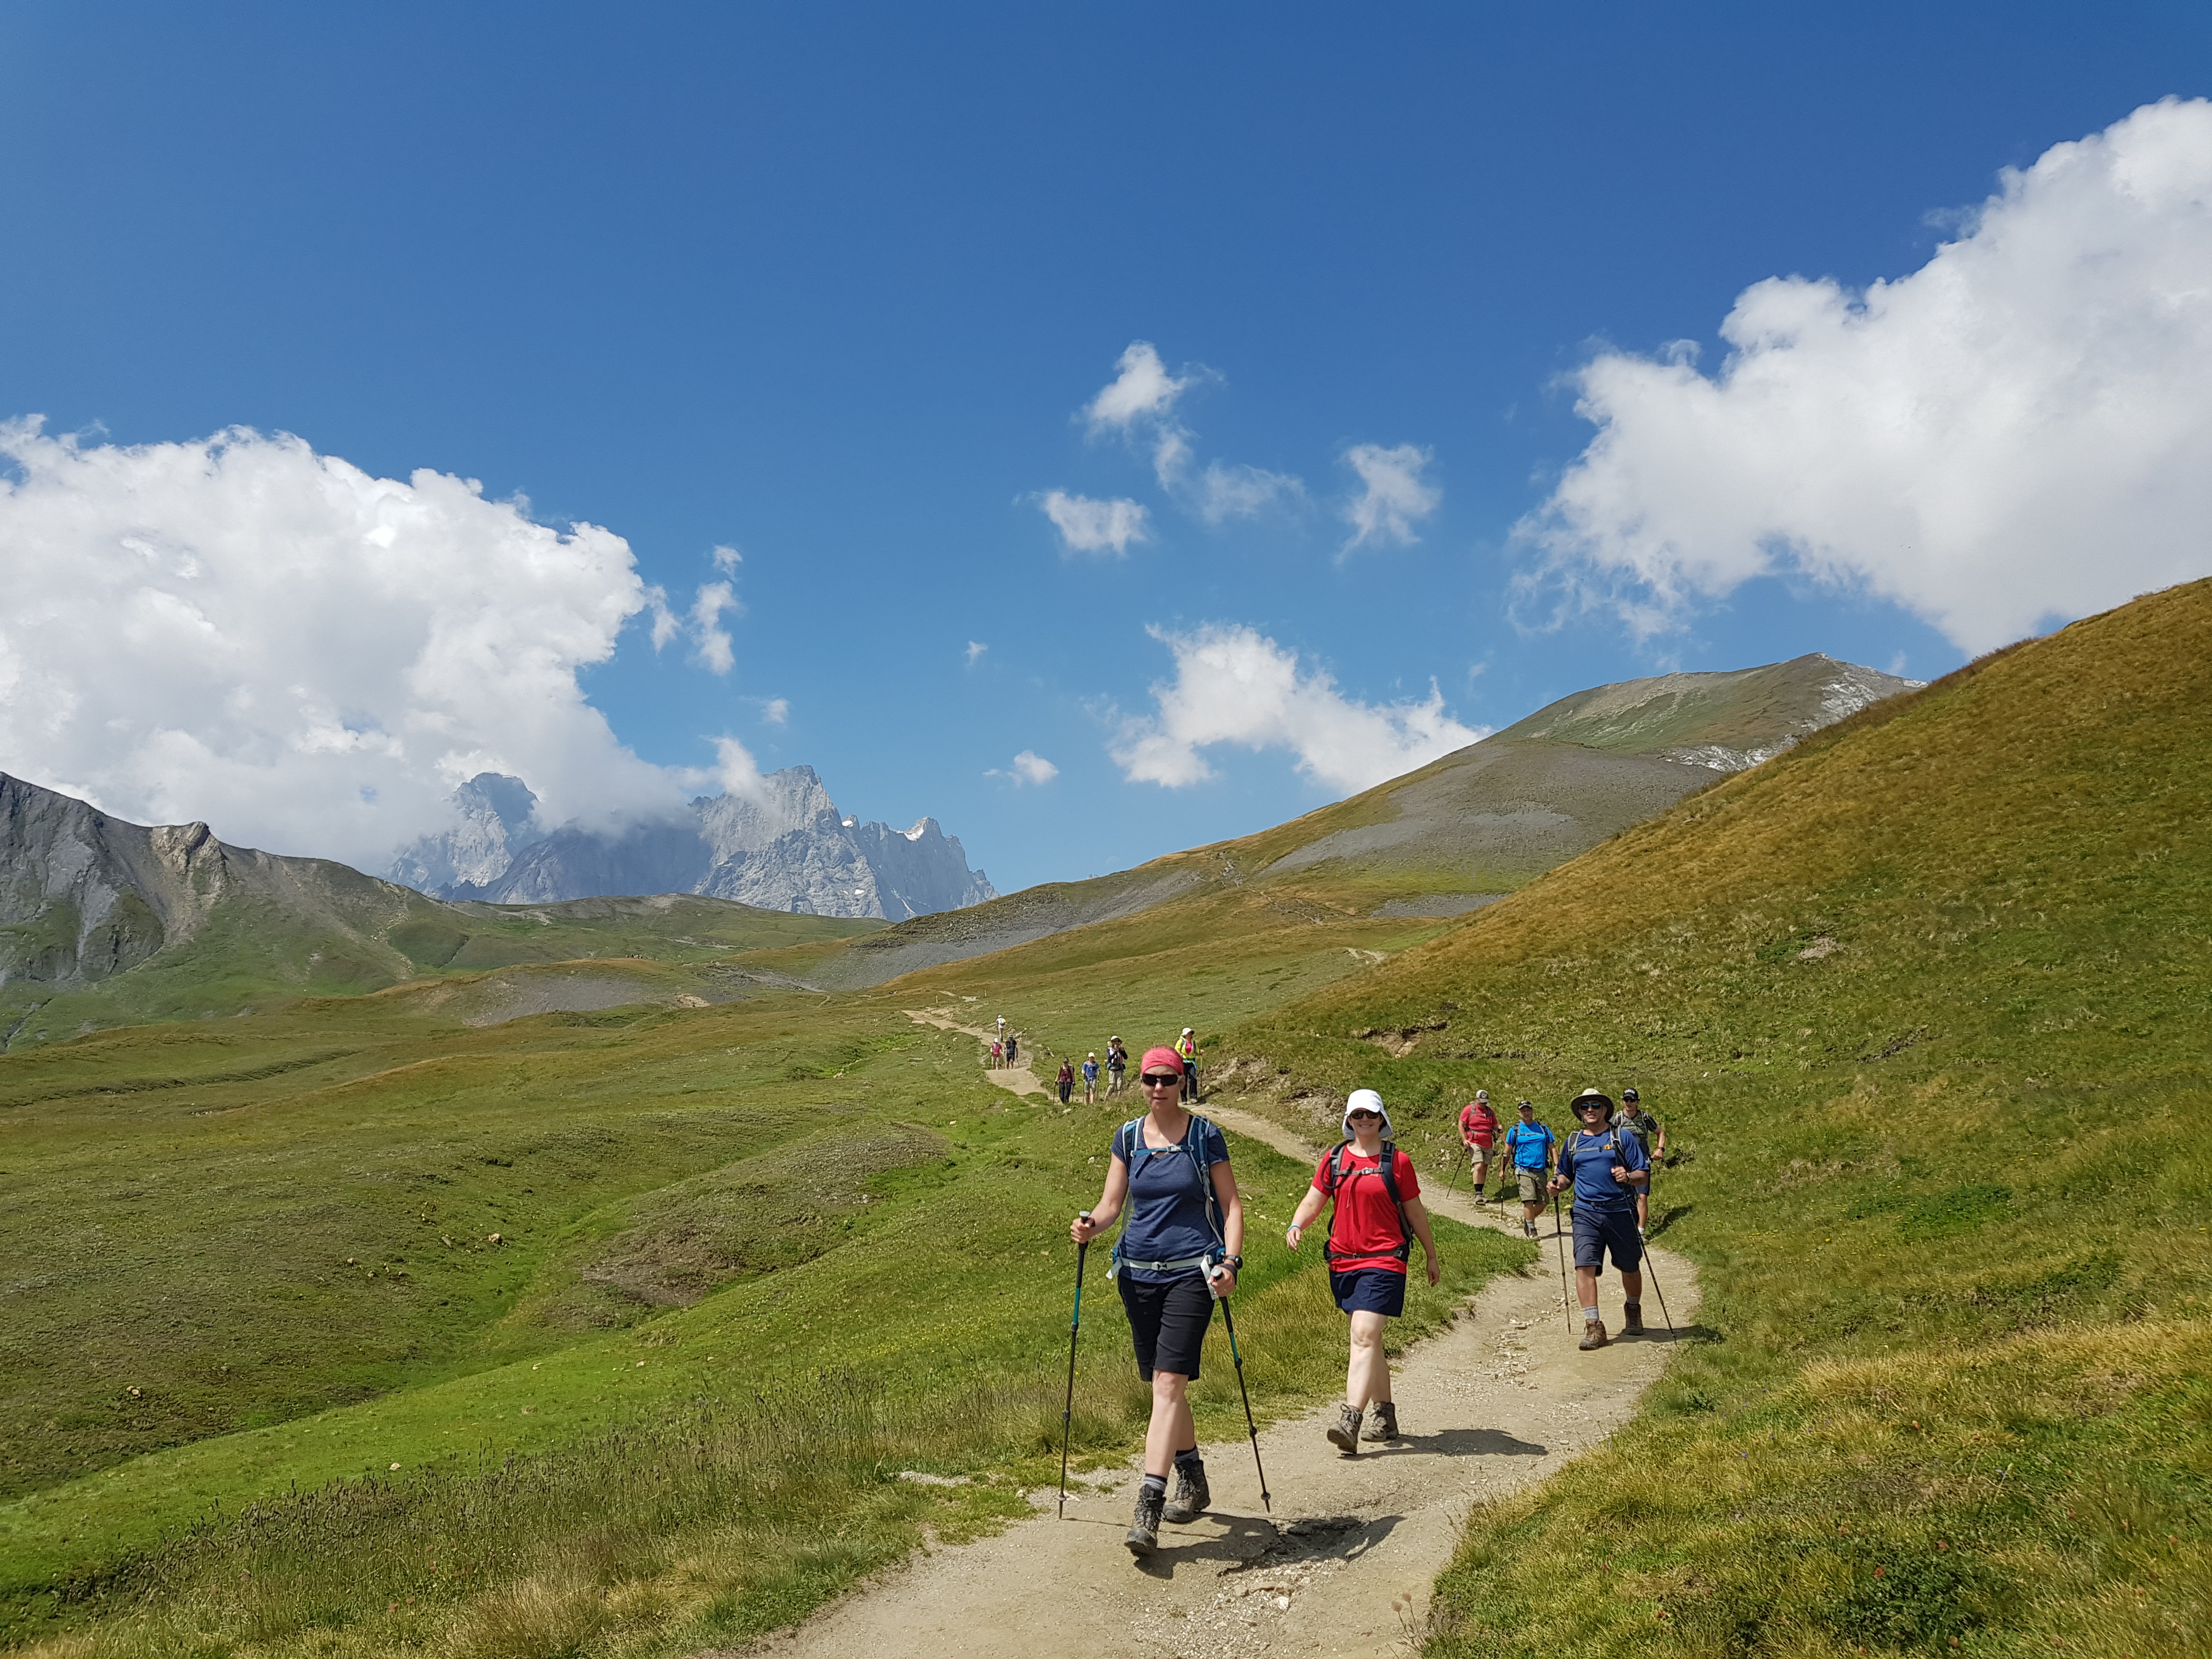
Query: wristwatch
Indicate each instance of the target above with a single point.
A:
(1234, 1263)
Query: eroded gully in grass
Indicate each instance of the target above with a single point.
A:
(1497, 1402)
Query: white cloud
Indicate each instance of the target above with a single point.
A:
(975, 648)
(776, 711)
(1225, 490)
(2019, 430)
(1142, 390)
(1139, 404)
(727, 559)
(1394, 497)
(1029, 767)
(710, 640)
(1087, 526)
(310, 659)
(1234, 685)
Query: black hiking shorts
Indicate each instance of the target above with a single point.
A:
(1601, 1232)
(1168, 1323)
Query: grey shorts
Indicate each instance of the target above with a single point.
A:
(1532, 1185)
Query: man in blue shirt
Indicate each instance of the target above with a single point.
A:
(1528, 1144)
(1605, 1165)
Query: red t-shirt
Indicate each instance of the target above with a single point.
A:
(1478, 1122)
(1365, 1231)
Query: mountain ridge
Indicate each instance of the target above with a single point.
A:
(783, 846)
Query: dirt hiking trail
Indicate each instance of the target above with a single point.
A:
(1499, 1401)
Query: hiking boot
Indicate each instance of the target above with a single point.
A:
(1593, 1333)
(1527, 1228)
(1145, 1530)
(1633, 1324)
(1344, 1435)
(1482, 1199)
(1192, 1495)
(1385, 1425)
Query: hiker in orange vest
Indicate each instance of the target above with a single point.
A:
(1370, 1238)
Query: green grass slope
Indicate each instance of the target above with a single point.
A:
(753, 1262)
(1922, 1004)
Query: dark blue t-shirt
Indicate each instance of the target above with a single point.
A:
(1589, 1158)
(1168, 1192)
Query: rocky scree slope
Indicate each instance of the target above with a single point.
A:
(787, 849)
(1448, 838)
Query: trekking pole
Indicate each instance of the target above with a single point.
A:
(1252, 1428)
(1559, 1237)
(1662, 1295)
(1067, 1411)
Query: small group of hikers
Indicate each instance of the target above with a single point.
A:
(1531, 1150)
(1116, 1067)
(1007, 1051)
(1181, 1249)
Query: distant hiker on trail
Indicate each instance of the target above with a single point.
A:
(1528, 1146)
(1651, 1135)
(998, 1054)
(1478, 1127)
(1066, 1080)
(1186, 1048)
(1371, 1235)
(1090, 1078)
(1013, 1046)
(1171, 1167)
(1604, 1166)
(1117, 1063)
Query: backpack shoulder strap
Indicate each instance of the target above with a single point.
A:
(1335, 1167)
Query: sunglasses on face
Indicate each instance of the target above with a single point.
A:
(1372, 1117)
(1161, 1080)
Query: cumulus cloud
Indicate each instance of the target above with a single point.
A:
(1232, 684)
(2020, 430)
(1142, 390)
(776, 711)
(1392, 496)
(1139, 404)
(1029, 767)
(310, 659)
(975, 648)
(1087, 526)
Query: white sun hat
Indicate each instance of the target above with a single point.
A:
(1366, 1100)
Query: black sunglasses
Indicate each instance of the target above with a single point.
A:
(1161, 1080)
(1363, 1112)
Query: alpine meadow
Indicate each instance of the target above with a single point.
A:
(349, 1327)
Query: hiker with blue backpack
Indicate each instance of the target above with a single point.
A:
(1371, 1231)
(1179, 1252)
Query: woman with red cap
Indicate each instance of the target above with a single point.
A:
(1186, 1226)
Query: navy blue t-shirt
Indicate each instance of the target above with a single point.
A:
(1589, 1158)
(1169, 1194)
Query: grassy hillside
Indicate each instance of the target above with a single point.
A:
(1474, 824)
(1923, 1005)
(753, 1262)
(329, 931)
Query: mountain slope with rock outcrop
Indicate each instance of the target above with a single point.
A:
(105, 922)
(1448, 838)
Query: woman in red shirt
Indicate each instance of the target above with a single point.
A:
(1370, 1240)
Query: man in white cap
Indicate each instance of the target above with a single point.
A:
(1377, 1215)
(1478, 1127)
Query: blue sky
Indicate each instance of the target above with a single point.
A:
(834, 286)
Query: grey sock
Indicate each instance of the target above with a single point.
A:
(1189, 1461)
(1154, 1486)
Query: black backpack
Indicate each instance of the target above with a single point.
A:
(1388, 1170)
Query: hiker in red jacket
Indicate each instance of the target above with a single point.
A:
(1377, 1216)
(1478, 1127)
